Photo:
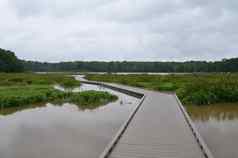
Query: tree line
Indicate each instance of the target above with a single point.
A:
(226, 65)
(10, 63)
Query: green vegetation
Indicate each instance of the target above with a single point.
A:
(90, 99)
(24, 79)
(191, 89)
(11, 110)
(226, 65)
(25, 95)
(201, 89)
(9, 62)
(25, 89)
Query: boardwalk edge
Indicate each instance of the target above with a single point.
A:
(206, 151)
(203, 146)
(116, 138)
(121, 131)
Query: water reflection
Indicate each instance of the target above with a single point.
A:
(218, 112)
(84, 87)
(54, 131)
(218, 125)
(11, 110)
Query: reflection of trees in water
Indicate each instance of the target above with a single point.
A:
(11, 110)
(219, 112)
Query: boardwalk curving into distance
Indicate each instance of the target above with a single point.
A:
(159, 127)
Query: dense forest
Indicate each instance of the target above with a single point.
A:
(226, 65)
(10, 63)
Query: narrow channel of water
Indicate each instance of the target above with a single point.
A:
(53, 131)
(218, 125)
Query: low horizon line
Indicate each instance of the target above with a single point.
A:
(108, 61)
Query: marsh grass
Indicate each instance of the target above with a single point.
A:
(25, 95)
(17, 90)
(198, 89)
(17, 97)
(90, 99)
(22, 79)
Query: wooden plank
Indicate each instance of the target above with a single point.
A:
(160, 128)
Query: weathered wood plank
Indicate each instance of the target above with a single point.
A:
(160, 128)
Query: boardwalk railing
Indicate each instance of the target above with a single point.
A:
(122, 90)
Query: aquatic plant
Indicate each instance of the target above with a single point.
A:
(27, 88)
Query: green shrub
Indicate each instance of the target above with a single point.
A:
(91, 98)
(69, 83)
(166, 86)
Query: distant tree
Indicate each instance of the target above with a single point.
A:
(227, 65)
(9, 62)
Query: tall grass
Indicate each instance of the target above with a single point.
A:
(19, 95)
(26, 88)
(16, 97)
(91, 99)
(199, 89)
(22, 79)
(202, 91)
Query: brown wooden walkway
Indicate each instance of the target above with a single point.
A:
(158, 128)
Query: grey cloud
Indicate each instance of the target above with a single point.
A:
(53, 30)
(26, 8)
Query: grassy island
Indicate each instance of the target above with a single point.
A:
(23, 89)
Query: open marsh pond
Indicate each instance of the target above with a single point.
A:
(65, 131)
(218, 125)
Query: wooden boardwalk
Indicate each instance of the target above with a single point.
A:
(158, 128)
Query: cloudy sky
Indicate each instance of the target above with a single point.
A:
(66, 30)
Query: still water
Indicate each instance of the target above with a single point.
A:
(218, 125)
(65, 131)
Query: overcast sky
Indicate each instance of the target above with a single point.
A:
(150, 30)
